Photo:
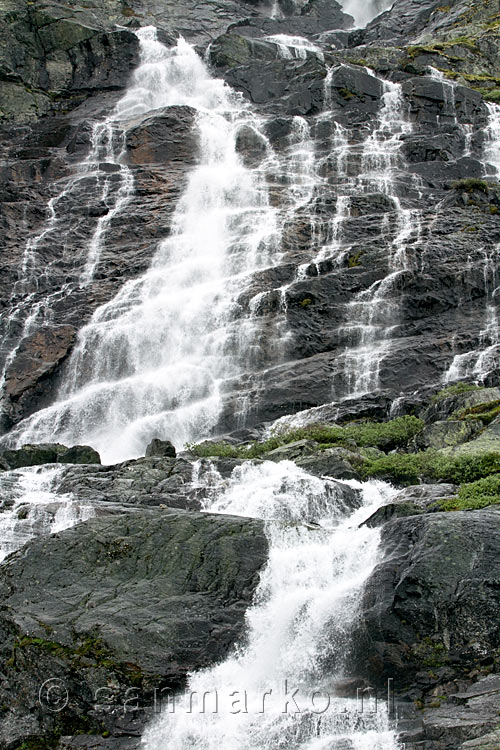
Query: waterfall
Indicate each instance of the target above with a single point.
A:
(102, 183)
(372, 315)
(364, 11)
(30, 507)
(152, 361)
(299, 627)
(290, 47)
(480, 362)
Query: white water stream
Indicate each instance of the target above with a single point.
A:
(299, 628)
(485, 359)
(30, 508)
(151, 361)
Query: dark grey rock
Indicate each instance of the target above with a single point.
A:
(432, 602)
(49, 453)
(162, 448)
(136, 600)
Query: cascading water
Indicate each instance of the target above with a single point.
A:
(290, 47)
(107, 181)
(364, 11)
(299, 628)
(151, 361)
(479, 363)
(373, 313)
(30, 508)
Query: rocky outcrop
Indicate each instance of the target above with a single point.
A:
(431, 608)
(49, 453)
(128, 604)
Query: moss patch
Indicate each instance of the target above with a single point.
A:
(383, 435)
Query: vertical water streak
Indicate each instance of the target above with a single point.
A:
(373, 314)
(478, 363)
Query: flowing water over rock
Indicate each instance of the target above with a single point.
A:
(479, 363)
(152, 360)
(298, 629)
(31, 508)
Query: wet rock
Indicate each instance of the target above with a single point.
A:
(488, 741)
(413, 501)
(339, 463)
(132, 601)
(166, 137)
(49, 453)
(37, 358)
(251, 146)
(463, 718)
(292, 451)
(432, 602)
(160, 448)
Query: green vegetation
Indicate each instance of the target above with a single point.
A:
(455, 390)
(441, 48)
(355, 260)
(486, 412)
(383, 435)
(476, 495)
(409, 468)
(470, 184)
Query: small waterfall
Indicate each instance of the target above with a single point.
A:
(372, 315)
(492, 142)
(30, 508)
(151, 361)
(298, 47)
(299, 628)
(364, 11)
(479, 363)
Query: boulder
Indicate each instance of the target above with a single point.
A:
(339, 463)
(157, 448)
(133, 601)
(447, 434)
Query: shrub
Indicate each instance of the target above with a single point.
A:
(476, 495)
(486, 412)
(406, 469)
(470, 184)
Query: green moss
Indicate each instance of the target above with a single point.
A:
(475, 495)
(455, 390)
(346, 94)
(384, 435)
(486, 412)
(407, 469)
(430, 654)
(470, 184)
(491, 95)
(354, 260)
(441, 48)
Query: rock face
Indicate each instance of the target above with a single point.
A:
(129, 602)
(432, 605)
